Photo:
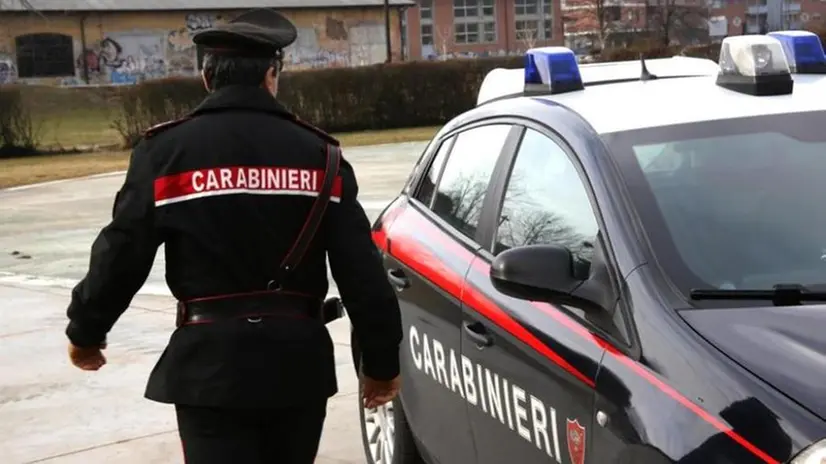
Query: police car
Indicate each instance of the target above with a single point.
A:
(617, 263)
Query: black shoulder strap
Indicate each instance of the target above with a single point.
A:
(308, 231)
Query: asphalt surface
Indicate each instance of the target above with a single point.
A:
(51, 412)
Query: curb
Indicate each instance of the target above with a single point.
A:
(61, 181)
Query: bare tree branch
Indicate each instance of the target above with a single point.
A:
(597, 17)
(443, 38)
(528, 37)
(677, 20)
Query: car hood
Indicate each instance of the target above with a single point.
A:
(785, 346)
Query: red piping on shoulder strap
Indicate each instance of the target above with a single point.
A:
(324, 135)
(158, 128)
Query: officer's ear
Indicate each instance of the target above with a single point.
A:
(205, 79)
(271, 80)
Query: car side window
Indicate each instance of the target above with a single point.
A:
(428, 184)
(546, 202)
(466, 176)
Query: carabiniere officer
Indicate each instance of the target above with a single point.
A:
(248, 201)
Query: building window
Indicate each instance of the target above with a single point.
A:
(405, 37)
(426, 27)
(533, 20)
(527, 27)
(527, 7)
(44, 55)
(427, 34)
(475, 21)
(426, 10)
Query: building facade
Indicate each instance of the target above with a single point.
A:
(125, 47)
(449, 28)
(733, 17)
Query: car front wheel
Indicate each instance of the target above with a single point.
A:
(378, 431)
(386, 434)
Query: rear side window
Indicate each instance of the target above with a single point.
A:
(428, 185)
(467, 173)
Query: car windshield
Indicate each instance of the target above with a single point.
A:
(732, 204)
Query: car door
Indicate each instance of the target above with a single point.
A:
(534, 374)
(422, 263)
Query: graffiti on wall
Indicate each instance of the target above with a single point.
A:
(125, 58)
(334, 43)
(181, 54)
(132, 56)
(199, 21)
(8, 70)
(182, 58)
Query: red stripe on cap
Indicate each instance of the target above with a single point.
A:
(428, 265)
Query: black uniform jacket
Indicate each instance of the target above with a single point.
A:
(226, 191)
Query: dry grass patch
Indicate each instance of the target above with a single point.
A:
(414, 134)
(86, 128)
(34, 169)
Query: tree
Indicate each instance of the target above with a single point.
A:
(677, 20)
(527, 37)
(599, 18)
(442, 39)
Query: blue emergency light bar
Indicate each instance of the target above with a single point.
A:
(804, 51)
(551, 70)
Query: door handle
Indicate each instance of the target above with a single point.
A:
(478, 333)
(398, 279)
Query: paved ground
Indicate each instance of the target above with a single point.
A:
(53, 413)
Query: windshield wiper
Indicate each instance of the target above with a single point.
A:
(780, 295)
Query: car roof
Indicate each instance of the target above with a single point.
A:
(645, 104)
(672, 99)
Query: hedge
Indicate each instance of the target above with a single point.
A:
(711, 51)
(18, 130)
(383, 96)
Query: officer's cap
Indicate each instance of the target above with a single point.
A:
(262, 32)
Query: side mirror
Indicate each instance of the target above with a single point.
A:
(542, 273)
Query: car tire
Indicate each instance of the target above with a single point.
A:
(386, 434)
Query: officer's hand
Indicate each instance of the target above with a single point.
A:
(378, 392)
(88, 359)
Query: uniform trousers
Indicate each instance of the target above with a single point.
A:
(251, 436)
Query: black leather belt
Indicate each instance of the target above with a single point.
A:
(253, 307)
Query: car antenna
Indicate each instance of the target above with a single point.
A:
(645, 76)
